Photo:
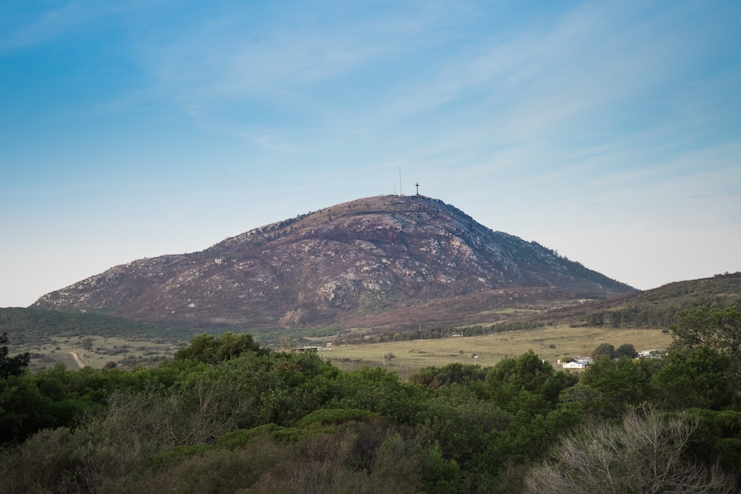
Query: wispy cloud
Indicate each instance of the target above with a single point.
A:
(236, 56)
(44, 22)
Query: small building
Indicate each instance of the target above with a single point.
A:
(579, 363)
(575, 365)
(653, 353)
(306, 349)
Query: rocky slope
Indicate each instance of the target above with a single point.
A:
(338, 265)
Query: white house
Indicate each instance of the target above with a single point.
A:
(579, 363)
(575, 365)
(653, 353)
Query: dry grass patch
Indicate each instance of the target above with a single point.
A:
(490, 349)
(104, 350)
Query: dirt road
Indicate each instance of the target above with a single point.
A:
(77, 359)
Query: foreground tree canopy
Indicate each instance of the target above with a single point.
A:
(225, 415)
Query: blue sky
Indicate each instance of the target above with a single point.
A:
(609, 131)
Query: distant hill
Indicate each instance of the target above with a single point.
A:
(656, 308)
(35, 326)
(387, 260)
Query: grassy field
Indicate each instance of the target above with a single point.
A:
(550, 343)
(105, 349)
(566, 342)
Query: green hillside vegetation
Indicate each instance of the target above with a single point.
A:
(49, 336)
(225, 415)
(657, 308)
(36, 326)
(27, 327)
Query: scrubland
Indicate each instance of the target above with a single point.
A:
(225, 415)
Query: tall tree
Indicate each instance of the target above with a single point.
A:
(11, 366)
(604, 350)
(87, 344)
(626, 350)
(719, 329)
(716, 328)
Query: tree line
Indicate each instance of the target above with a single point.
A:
(660, 316)
(437, 333)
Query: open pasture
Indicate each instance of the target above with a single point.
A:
(550, 343)
(104, 350)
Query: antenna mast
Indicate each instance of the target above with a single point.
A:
(400, 192)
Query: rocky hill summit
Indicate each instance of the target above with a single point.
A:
(344, 264)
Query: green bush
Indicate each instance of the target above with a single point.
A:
(220, 471)
(718, 440)
(334, 416)
(176, 456)
(240, 438)
(698, 378)
(456, 372)
(619, 384)
(211, 349)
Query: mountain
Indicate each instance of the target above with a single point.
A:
(350, 264)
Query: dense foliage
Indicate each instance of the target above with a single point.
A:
(36, 326)
(666, 305)
(438, 332)
(225, 415)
